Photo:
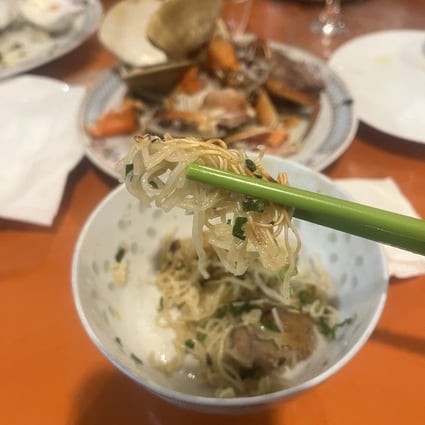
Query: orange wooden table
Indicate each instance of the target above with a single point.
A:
(50, 373)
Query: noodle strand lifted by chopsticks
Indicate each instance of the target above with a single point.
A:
(240, 229)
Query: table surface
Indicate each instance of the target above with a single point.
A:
(50, 372)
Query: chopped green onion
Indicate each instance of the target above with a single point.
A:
(281, 361)
(239, 307)
(118, 340)
(237, 230)
(220, 313)
(250, 164)
(249, 373)
(328, 330)
(283, 270)
(135, 358)
(161, 304)
(305, 297)
(257, 205)
(200, 336)
(128, 169)
(153, 184)
(189, 344)
(271, 326)
(120, 254)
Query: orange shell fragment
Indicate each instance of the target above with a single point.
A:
(117, 122)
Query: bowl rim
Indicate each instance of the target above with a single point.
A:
(209, 401)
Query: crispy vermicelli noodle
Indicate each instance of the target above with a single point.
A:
(233, 293)
(154, 172)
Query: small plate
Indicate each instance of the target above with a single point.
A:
(330, 136)
(385, 72)
(33, 47)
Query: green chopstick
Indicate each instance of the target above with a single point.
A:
(389, 228)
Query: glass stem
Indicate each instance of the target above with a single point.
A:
(332, 8)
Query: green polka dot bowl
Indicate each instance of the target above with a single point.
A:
(117, 308)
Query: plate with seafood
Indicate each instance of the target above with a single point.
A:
(277, 96)
(35, 32)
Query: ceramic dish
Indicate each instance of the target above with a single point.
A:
(330, 136)
(384, 72)
(26, 47)
(121, 321)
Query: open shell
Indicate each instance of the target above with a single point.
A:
(123, 33)
(150, 32)
(181, 27)
(154, 82)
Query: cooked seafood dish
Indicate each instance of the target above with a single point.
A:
(240, 90)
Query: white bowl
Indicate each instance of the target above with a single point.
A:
(120, 321)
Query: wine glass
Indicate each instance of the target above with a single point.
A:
(329, 22)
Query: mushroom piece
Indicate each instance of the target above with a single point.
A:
(249, 349)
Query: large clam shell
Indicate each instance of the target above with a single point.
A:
(123, 33)
(181, 27)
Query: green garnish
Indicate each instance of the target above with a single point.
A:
(189, 344)
(135, 358)
(249, 372)
(118, 340)
(120, 254)
(128, 169)
(305, 297)
(237, 230)
(328, 330)
(258, 176)
(271, 326)
(283, 270)
(161, 304)
(257, 205)
(200, 336)
(220, 313)
(239, 307)
(153, 184)
(250, 165)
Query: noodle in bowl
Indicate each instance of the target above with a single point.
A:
(118, 301)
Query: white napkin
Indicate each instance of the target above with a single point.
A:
(39, 146)
(385, 194)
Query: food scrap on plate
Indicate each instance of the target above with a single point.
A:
(240, 90)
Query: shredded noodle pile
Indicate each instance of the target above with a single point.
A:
(241, 229)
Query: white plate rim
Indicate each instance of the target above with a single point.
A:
(93, 13)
